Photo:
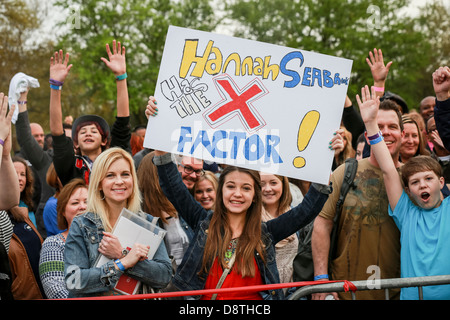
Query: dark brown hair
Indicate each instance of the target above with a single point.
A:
(105, 135)
(419, 164)
(154, 200)
(53, 179)
(387, 105)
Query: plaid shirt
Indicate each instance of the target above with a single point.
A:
(51, 267)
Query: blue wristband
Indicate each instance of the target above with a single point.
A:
(55, 87)
(119, 264)
(320, 277)
(376, 140)
(122, 76)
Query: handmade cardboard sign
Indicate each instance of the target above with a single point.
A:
(249, 104)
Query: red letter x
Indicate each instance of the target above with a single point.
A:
(240, 102)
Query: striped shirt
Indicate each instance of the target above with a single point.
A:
(6, 229)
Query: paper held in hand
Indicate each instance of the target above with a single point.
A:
(130, 229)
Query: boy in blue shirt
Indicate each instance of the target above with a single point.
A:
(419, 210)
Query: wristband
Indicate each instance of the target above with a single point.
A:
(56, 82)
(376, 138)
(378, 89)
(55, 87)
(122, 76)
(119, 264)
(2, 143)
(22, 102)
(320, 277)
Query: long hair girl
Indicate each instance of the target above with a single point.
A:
(220, 232)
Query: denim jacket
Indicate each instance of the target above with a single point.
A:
(80, 256)
(187, 276)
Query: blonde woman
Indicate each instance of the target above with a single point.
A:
(113, 186)
(205, 190)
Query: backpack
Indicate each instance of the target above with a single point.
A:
(303, 262)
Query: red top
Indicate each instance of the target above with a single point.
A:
(231, 281)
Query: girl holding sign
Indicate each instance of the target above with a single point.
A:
(233, 231)
(113, 186)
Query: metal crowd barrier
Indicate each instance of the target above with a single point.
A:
(385, 284)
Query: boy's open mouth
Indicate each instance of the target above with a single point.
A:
(425, 196)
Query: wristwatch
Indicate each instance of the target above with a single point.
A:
(124, 252)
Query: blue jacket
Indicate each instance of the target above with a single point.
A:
(81, 252)
(187, 276)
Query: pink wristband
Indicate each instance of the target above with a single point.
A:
(379, 89)
(2, 143)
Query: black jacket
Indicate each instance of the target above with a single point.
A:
(69, 166)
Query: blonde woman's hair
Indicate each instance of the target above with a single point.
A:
(211, 177)
(96, 203)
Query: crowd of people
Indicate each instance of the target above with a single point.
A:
(226, 226)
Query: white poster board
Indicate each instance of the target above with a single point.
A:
(248, 103)
(131, 229)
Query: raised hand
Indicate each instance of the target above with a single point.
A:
(337, 142)
(151, 109)
(368, 104)
(59, 66)
(377, 67)
(116, 61)
(441, 83)
(5, 118)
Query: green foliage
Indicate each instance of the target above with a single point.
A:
(141, 26)
(20, 52)
(417, 46)
(348, 29)
(434, 22)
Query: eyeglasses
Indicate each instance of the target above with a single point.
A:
(190, 170)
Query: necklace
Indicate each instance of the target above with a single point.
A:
(230, 249)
